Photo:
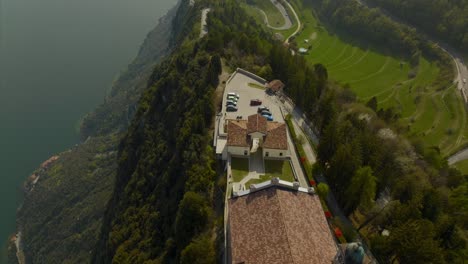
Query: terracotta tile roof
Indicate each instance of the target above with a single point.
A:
(256, 123)
(275, 85)
(281, 226)
(276, 137)
(237, 133)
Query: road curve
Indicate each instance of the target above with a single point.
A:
(287, 20)
(298, 22)
(459, 156)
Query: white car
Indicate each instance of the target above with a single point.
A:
(233, 94)
(232, 98)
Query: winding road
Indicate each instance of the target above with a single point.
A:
(298, 22)
(287, 20)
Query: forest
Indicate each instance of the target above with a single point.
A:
(447, 20)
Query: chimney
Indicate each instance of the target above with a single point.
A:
(296, 185)
(275, 181)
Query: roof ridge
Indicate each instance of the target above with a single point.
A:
(283, 222)
(277, 125)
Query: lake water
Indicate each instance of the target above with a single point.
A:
(57, 60)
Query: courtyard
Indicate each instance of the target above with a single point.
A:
(247, 171)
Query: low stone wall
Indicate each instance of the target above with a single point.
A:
(249, 74)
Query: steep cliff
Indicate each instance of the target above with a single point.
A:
(64, 203)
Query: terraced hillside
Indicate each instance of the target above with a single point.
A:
(436, 116)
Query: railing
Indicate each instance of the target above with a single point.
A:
(251, 75)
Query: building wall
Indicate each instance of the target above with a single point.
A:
(251, 75)
(276, 153)
(257, 135)
(239, 151)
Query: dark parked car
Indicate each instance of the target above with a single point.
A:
(255, 102)
(231, 108)
(265, 112)
(228, 103)
(268, 117)
(262, 108)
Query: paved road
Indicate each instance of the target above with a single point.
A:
(303, 130)
(462, 76)
(299, 125)
(298, 22)
(287, 20)
(459, 156)
(204, 27)
(301, 177)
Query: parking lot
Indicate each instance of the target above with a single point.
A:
(239, 84)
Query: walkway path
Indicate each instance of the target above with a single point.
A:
(256, 168)
(204, 27)
(298, 22)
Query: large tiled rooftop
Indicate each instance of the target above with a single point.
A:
(277, 225)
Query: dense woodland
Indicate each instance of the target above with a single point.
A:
(446, 19)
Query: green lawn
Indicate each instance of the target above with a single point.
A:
(239, 168)
(368, 72)
(274, 168)
(279, 168)
(257, 86)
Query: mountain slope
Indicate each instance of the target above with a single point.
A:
(61, 217)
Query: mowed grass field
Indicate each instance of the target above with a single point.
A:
(437, 117)
(462, 166)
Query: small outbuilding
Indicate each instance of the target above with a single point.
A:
(275, 86)
(303, 50)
